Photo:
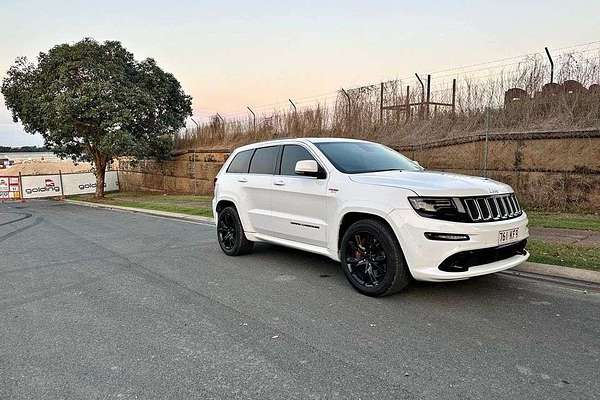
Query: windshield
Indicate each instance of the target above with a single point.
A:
(361, 157)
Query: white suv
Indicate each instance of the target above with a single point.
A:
(383, 216)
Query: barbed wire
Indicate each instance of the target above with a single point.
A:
(459, 72)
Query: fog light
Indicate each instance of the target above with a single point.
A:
(446, 236)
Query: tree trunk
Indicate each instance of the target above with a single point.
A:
(100, 172)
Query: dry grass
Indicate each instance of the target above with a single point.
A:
(480, 106)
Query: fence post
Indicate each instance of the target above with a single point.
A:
(118, 178)
(485, 146)
(194, 167)
(20, 188)
(62, 187)
(428, 96)
(381, 106)
(422, 96)
(407, 103)
(349, 110)
(453, 97)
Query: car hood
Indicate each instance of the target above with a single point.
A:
(432, 183)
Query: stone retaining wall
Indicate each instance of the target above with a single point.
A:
(549, 170)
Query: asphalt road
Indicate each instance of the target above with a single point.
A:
(98, 304)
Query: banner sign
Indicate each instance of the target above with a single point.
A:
(86, 183)
(39, 186)
(9, 188)
(13, 181)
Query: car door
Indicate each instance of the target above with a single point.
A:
(298, 202)
(231, 184)
(257, 186)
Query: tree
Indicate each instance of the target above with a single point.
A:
(94, 102)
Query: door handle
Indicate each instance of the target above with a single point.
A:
(243, 180)
(279, 182)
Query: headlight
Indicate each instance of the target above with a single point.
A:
(445, 208)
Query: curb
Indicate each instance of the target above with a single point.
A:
(533, 270)
(166, 214)
(555, 271)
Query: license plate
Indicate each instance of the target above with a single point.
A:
(509, 235)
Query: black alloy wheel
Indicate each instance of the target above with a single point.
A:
(230, 233)
(372, 259)
(365, 259)
(226, 231)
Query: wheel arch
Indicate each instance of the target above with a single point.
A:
(351, 216)
(221, 204)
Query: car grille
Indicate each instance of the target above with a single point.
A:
(492, 208)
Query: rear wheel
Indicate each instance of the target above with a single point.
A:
(372, 259)
(230, 233)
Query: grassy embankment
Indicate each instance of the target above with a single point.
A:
(571, 255)
(577, 256)
(184, 204)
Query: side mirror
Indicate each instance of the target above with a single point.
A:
(307, 168)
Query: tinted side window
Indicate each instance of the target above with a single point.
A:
(240, 163)
(291, 155)
(263, 161)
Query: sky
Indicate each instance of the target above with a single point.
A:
(230, 54)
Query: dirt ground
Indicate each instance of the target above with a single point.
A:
(566, 236)
(36, 167)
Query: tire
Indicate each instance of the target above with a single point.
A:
(372, 259)
(230, 233)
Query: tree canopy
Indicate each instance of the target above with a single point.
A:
(93, 101)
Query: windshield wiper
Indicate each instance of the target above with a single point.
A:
(387, 169)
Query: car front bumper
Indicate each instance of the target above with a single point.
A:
(424, 256)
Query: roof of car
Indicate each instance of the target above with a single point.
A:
(288, 140)
(332, 139)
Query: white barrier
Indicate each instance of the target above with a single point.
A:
(39, 186)
(86, 183)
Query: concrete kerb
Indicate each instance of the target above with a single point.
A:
(166, 214)
(556, 271)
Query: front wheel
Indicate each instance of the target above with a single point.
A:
(372, 259)
(230, 233)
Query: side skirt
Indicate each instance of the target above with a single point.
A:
(259, 237)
